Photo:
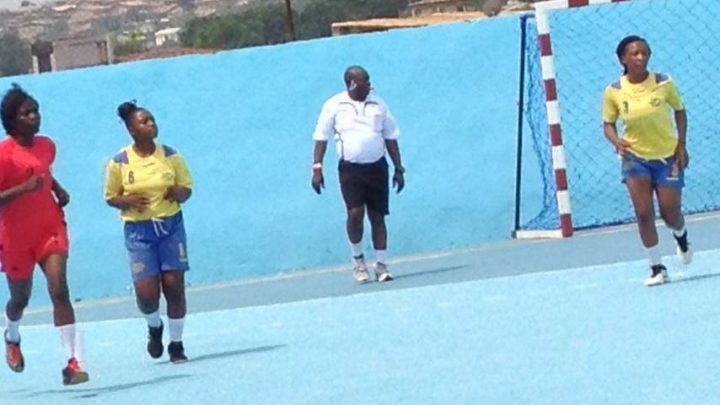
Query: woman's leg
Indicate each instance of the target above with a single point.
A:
(641, 193)
(147, 297)
(54, 266)
(173, 286)
(20, 291)
(670, 202)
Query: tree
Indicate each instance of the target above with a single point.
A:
(260, 25)
(135, 43)
(318, 16)
(266, 24)
(274, 23)
(290, 20)
(15, 58)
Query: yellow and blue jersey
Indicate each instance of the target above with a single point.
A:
(643, 108)
(150, 176)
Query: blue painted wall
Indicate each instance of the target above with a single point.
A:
(244, 119)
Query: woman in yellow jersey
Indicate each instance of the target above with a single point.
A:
(653, 155)
(148, 181)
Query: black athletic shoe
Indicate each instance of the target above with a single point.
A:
(177, 352)
(154, 341)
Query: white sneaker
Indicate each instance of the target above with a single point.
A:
(381, 273)
(360, 271)
(659, 278)
(686, 256)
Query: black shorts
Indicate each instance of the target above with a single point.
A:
(364, 184)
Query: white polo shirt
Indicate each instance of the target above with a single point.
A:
(360, 128)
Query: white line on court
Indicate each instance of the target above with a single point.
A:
(498, 246)
(629, 280)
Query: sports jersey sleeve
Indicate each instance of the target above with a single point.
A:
(610, 111)
(182, 174)
(113, 180)
(51, 149)
(325, 127)
(673, 96)
(46, 148)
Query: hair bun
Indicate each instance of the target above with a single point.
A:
(126, 109)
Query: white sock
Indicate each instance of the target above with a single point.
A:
(12, 329)
(357, 249)
(381, 256)
(71, 341)
(653, 254)
(153, 319)
(679, 232)
(176, 327)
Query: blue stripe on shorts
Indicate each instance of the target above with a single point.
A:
(156, 246)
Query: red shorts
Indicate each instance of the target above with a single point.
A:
(19, 264)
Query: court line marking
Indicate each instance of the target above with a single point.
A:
(636, 280)
(497, 246)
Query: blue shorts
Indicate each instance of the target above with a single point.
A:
(156, 246)
(662, 172)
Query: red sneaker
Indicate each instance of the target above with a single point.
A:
(73, 374)
(13, 355)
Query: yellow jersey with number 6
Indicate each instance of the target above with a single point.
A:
(148, 176)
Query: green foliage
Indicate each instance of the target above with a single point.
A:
(15, 58)
(318, 15)
(266, 23)
(262, 25)
(134, 44)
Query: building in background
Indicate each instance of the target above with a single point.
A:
(384, 24)
(71, 53)
(167, 36)
(427, 7)
(429, 12)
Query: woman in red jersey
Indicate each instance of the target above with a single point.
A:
(33, 229)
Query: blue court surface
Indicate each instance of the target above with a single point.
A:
(520, 322)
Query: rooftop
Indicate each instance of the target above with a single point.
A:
(382, 24)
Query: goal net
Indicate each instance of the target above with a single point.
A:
(682, 35)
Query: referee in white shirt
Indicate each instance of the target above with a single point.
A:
(363, 129)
